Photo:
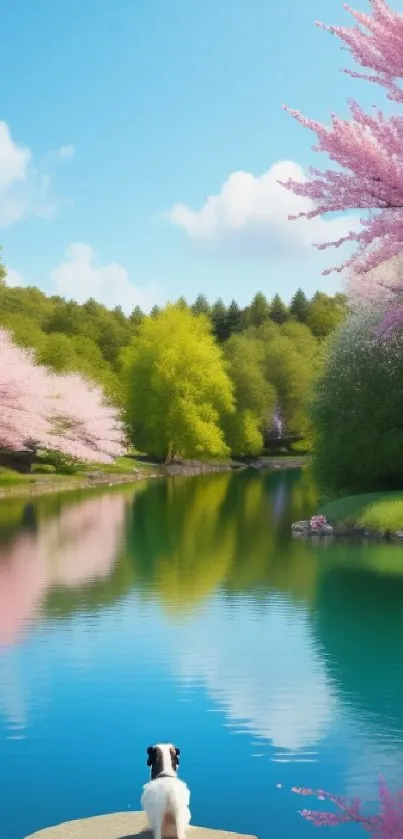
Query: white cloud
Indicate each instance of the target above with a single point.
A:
(79, 277)
(25, 189)
(14, 279)
(250, 216)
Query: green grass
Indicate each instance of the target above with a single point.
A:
(122, 466)
(10, 477)
(383, 516)
(353, 508)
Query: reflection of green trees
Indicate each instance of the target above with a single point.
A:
(190, 536)
(360, 626)
(181, 540)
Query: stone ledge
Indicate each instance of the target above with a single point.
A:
(122, 826)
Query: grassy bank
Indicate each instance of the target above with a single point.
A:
(124, 471)
(378, 511)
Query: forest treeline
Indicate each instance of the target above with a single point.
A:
(215, 392)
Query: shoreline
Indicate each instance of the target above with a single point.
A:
(42, 485)
(46, 487)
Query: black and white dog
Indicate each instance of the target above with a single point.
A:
(165, 798)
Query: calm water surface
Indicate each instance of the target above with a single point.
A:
(183, 611)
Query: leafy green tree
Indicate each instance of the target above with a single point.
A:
(176, 387)
(201, 306)
(299, 306)
(258, 311)
(64, 317)
(155, 312)
(255, 397)
(278, 310)
(136, 317)
(325, 314)
(290, 363)
(357, 411)
(57, 352)
(26, 332)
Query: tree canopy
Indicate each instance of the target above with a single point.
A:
(176, 387)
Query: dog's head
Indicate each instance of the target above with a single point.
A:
(163, 759)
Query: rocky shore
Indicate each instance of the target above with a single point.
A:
(318, 528)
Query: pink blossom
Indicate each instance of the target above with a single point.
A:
(39, 409)
(366, 148)
(84, 424)
(386, 824)
(317, 522)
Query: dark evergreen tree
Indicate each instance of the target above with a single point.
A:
(278, 310)
(299, 306)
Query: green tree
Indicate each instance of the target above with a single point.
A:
(258, 311)
(201, 306)
(64, 317)
(326, 313)
(176, 387)
(219, 320)
(136, 317)
(57, 352)
(234, 318)
(278, 310)
(155, 312)
(3, 273)
(358, 409)
(299, 306)
(255, 397)
(291, 363)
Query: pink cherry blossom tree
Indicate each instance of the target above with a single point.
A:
(386, 824)
(84, 425)
(367, 148)
(42, 410)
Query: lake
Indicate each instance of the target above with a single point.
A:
(182, 610)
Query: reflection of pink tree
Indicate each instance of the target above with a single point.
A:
(22, 581)
(77, 547)
(82, 542)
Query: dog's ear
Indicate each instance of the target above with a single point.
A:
(150, 755)
(178, 751)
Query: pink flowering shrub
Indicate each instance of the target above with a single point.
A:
(385, 824)
(317, 522)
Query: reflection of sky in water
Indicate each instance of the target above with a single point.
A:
(280, 500)
(249, 684)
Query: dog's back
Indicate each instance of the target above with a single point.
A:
(166, 798)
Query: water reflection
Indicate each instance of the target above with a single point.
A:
(76, 547)
(263, 647)
(359, 625)
(265, 670)
(219, 531)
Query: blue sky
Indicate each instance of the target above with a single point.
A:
(116, 112)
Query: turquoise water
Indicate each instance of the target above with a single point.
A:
(184, 611)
